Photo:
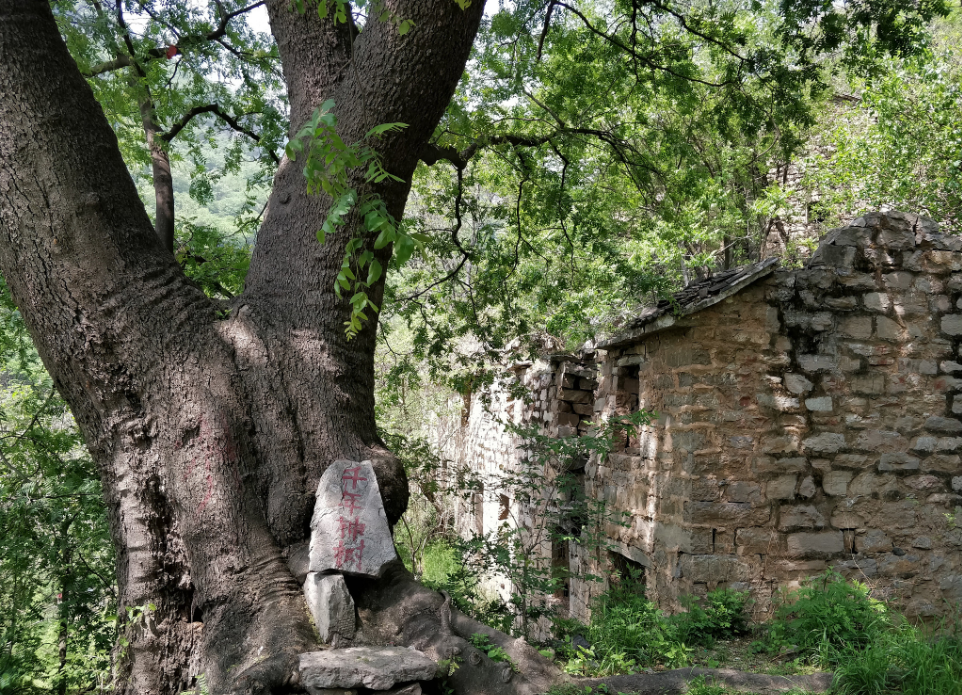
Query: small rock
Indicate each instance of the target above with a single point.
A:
(952, 324)
(797, 384)
(807, 489)
(580, 642)
(875, 541)
(331, 605)
(825, 442)
(943, 424)
(835, 483)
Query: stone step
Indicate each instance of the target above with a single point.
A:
(377, 668)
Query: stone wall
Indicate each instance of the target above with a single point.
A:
(809, 420)
(559, 400)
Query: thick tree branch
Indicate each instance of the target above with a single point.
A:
(121, 61)
(431, 154)
(157, 53)
(220, 113)
(315, 54)
(454, 238)
(544, 31)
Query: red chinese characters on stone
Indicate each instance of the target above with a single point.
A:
(351, 529)
(349, 550)
(350, 502)
(352, 475)
(345, 556)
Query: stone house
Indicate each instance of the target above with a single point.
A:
(806, 419)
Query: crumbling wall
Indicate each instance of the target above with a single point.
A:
(557, 397)
(811, 420)
(808, 421)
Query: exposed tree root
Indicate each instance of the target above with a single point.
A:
(397, 610)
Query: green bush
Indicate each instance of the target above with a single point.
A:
(720, 615)
(445, 571)
(627, 632)
(905, 660)
(827, 615)
(838, 625)
(865, 672)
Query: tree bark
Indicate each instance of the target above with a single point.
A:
(161, 176)
(210, 433)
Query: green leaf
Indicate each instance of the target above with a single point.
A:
(385, 127)
(374, 272)
(405, 27)
(336, 140)
(321, 236)
(386, 236)
(403, 249)
(373, 221)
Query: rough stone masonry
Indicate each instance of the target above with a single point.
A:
(807, 419)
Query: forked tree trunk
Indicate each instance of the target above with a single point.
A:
(211, 432)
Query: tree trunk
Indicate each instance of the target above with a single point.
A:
(161, 176)
(211, 433)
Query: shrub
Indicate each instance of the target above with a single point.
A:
(452, 575)
(866, 672)
(628, 631)
(827, 613)
(720, 615)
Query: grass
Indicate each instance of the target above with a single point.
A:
(828, 624)
(697, 686)
(906, 659)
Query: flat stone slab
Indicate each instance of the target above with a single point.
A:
(378, 668)
(349, 529)
(331, 605)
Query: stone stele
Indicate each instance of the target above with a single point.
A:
(349, 530)
(331, 605)
(378, 668)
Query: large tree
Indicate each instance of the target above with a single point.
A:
(211, 433)
(212, 428)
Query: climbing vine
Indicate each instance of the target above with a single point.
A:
(328, 163)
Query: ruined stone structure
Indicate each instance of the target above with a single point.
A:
(806, 419)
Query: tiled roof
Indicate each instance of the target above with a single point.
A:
(694, 298)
